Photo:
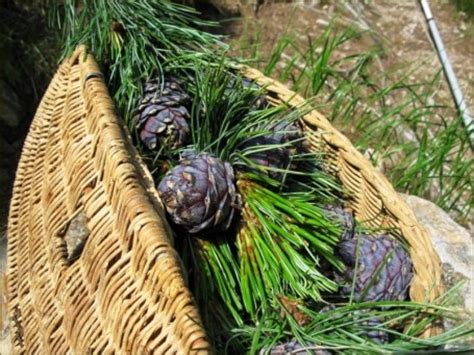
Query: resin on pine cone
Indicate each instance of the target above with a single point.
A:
(199, 193)
(162, 114)
(384, 270)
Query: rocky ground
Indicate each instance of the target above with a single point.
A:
(398, 28)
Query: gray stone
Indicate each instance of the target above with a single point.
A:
(76, 235)
(453, 244)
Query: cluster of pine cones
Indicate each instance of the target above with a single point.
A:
(199, 194)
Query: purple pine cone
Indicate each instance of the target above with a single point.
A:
(283, 132)
(377, 336)
(384, 268)
(278, 157)
(294, 347)
(162, 114)
(200, 193)
(260, 101)
(343, 218)
(273, 159)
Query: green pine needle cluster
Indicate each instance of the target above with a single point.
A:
(214, 280)
(133, 40)
(344, 329)
(222, 110)
(280, 244)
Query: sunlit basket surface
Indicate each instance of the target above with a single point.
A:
(126, 293)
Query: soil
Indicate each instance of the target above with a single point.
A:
(397, 28)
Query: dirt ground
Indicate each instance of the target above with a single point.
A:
(397, 27)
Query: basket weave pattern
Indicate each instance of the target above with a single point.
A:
(126, 292)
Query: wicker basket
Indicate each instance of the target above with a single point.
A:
(126, 293)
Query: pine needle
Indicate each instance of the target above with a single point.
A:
(345, 328)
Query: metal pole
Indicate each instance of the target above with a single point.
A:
(448, 70)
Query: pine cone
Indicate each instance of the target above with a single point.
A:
(343, 218)
(199, 193)
(272, 159)
(377, 336)
(261, 101)
(284, 132)
(162, 114)
(384, 268)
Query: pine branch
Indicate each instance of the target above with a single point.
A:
(281, 243)
(133, 40)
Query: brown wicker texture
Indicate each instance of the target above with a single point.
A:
(126, 292)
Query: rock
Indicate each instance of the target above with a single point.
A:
(454, 245)
(76, 236)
